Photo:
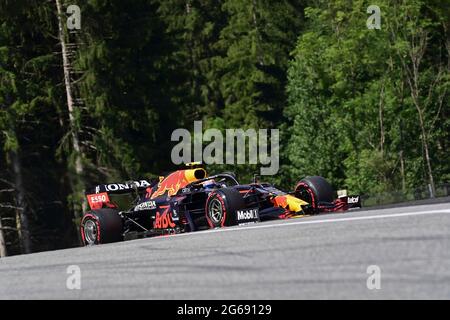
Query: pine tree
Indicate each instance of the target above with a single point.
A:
(29, 133)
(252, 70)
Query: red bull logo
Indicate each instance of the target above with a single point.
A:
(175, 181)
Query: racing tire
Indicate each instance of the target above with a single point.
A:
(315, 190)
(221, 207)
(101, 226)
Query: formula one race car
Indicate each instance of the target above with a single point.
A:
(188, 200)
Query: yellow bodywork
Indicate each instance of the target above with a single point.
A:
(289, 202)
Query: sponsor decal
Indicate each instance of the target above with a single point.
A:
(149, 205)
(163, 221)
(175, 216)
(247, 215)
(185, 190)
(354, 199)
(97, 200)
(126, 186)
(171, 184)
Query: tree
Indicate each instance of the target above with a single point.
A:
(73, 121)
(255, 46)
(412, 36)
(30, 131)
(352, 103)
(127, 69)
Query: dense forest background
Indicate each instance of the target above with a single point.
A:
(366, 108)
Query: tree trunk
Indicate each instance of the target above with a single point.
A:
(258, 34)
(3, 251)
(426, 150)
(415, 93)
(416, 52)
(79, 169)
(402, 171)
(380, 115)
(23, 226)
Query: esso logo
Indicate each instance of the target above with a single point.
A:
(98, 198)
(96, 201)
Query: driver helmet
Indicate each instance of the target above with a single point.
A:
(209, 184)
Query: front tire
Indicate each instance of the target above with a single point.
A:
(101, 226)
(221, 207)
(316, 191)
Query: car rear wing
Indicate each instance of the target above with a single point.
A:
(98, 196)
(120, 188)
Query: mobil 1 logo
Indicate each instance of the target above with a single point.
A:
(246, 216)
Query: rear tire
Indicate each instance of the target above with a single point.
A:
(314, 190)
(221, 207)
(101, 226)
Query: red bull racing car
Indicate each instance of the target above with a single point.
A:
(188, 200)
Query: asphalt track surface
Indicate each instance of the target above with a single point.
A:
(320, 257)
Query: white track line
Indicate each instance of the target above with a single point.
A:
(290, 223)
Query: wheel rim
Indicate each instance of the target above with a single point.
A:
(90, 231)
(216, 211)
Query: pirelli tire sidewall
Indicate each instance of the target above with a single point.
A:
(230, 200)
(108, 223)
